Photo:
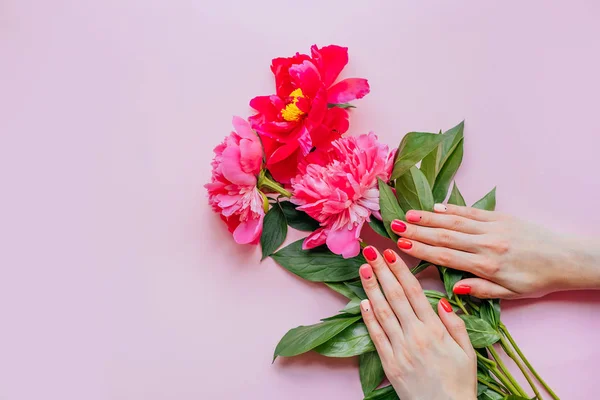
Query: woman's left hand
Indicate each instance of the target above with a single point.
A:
(424, 356)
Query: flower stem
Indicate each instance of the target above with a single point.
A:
(266, 182)
(527, 363)
(511, 380)
(512, 355)
(492, 386)
(461, 305)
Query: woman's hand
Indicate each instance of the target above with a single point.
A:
(424, 356)
(512, 258)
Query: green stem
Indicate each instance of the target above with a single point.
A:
(492, 386)
(506, 372)
(527, 363)
(512, 355)
(505, 381)
(265, 182)
(460, 304)
(491, 364)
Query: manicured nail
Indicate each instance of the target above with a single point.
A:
(370, 253)
(366, 271)
(413, 216)
(440, 208)
(404, 244)
(365, 305)
(445, 304)
(389, 256)
(398, 226)
(462, 289)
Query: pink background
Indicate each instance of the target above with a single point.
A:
(118, 282)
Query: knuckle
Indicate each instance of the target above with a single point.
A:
(459, 325)
(472, 213)
(379, 337)
(445, 238)
(422, 342)
(413, 290)
(489, 267)
(384, 314)
(444, 258)
(457, 223)
(396, 294)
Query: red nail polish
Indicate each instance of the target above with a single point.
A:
(413, 216)
(404, 244)
(370, 253)
(398, 226)
(366, 271)
(389, 256)
(462, 289)
(445, 304)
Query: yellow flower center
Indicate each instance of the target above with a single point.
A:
(291, 112)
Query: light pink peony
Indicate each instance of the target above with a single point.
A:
(338, 187)
(232, 191)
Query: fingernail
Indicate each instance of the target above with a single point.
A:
(440, 208)
(398, 226)
(366, 271)
(413, 216)
(404, 244)
(389, 256)
(445, 304)
(365, 305)
(462, 289)
(370, 253)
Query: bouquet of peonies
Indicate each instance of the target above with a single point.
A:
(289, 165)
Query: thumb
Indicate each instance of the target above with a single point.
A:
(483, 289)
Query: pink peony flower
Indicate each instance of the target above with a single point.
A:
(232, 191)
(338, 187)
(297, 118)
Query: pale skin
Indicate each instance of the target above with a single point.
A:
(427, 355)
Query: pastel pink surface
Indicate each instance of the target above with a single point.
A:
(118, 281)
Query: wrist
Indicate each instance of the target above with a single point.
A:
(582, 265)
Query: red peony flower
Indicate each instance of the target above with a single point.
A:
(298, 118)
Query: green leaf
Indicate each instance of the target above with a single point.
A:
(489, 394)
(357, 288)
(450, 278)
(389, 208)
(481, 388)
(351, 342)
(434, 297)
(446, 174)
(489, 310)
(370, 371)
(487, 202)
(341, 288)
(480, 332)
(385, 393)
(430, 163)
(298, 219)
(515, 397)
(318, 264)
(423, 265)
(353, 307)
(378, 227)
(413, 191)
(340, 105)
(338, 316)
(412, 149)
(305, 338)
(456, 197)
(274, 231)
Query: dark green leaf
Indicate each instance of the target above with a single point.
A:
(489, 310)
(340, 105)
(480, 332)
(370, 371)
(421, 267)
(389, 208)
(487, 202)
(385, 393)
(338, 316)
(298, 219)
(305, 338)
(357, 288)
(430, 163)
(353, 306)
(351, 342)
(412, 149)
(378, 227)
(489, 394)
(446, 174)
(481, 388)
(450, 278)
(274, 231)
(413, 191)
(456, 197)
(341, 288)
(319, 264)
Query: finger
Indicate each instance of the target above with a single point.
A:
(382, 310)
(451, 222)
(455, 259)
(391, 287)
(483, 289)
(466, 212)
(438, 236)
(455, 326)
(378, 336)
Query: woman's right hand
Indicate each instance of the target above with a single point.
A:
(511, 258)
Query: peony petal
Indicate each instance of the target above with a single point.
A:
(285, 170)
(306, 77)
(280, 68)
(330, 60)
(283, 152)
(242, 128)
(348, 90)
(251, 155)
(248, 231)
(232, 168)
(315, 239)
(344, 241)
